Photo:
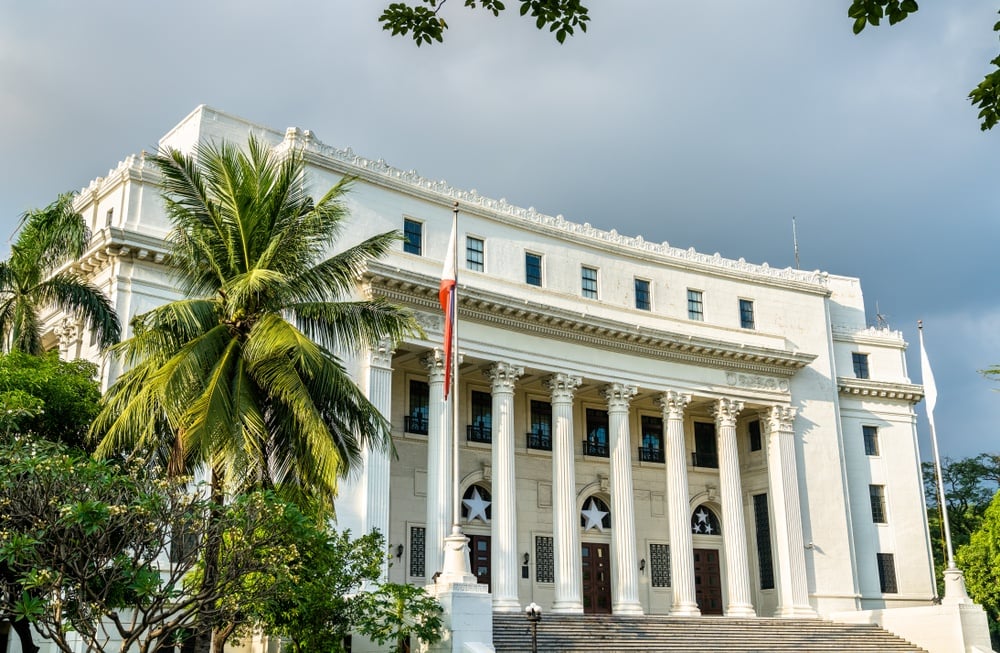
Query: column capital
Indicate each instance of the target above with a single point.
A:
(563, 386)
(673, 404)
(619, 395)
(381, 355)
(434, 362)
(726, 411)
(504, 376)
(781, 418)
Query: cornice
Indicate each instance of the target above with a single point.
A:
(886, 390)
(112, 243)
(874, 336)
(380, 173)
(485, 307)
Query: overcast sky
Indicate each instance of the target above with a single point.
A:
(703, 124)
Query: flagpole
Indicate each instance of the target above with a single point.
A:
(456, 512)
(930, 390)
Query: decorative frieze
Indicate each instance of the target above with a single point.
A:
(756, 382)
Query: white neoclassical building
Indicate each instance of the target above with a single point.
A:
(643, 429)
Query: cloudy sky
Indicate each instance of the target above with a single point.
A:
(703, 124)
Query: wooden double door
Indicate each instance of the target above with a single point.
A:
(708, 581)
(479, 558)
(596, 578)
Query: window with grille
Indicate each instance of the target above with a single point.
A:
(481, 428)
(871, 440)
(475, 257)
(417, 543)
(642, 299)
(540, 436)
(588, 282)
(762, 521)
(533, 269)
(413, 237)
(596, 443)
(746, 314)
(652, 439)
(696, 307)
(877, 494)
(887, 573)
(545, 568)
(860, 365)
(659, 565)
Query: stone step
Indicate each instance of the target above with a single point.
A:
(609, 634)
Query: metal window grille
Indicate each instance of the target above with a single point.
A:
(659, 565)
(545, 568)
(418, 537)
(764, 560)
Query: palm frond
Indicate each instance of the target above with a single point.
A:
(85, 301)
(352, 326)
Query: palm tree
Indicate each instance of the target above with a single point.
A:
(242, 375)
(31, 280)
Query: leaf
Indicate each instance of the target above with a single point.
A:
(859, 24)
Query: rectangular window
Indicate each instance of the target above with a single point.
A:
(652, 439)
(887, 573)
(481, 428)
(860, 365)
(596, 443)
(642, 300)
(659, 565)
(475, 254)
(588, 282)
(871, 440)
(696, 309)
(705, 452)
(877, 495)
(418, 537)
(532, 269)
(753, 428)
(413, 237)
(763, 522)
(545, 566)
(540, 436)
(746, 314)
(420, 401)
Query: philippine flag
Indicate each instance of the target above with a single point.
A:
(447, 298)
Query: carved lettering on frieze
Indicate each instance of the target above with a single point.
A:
(756, 382)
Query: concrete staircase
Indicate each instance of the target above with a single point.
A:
(610, 634)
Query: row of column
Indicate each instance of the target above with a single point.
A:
(782, 480)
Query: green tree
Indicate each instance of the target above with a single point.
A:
(51, 398)
(986, 96)
(242, 375)
(980, 561)
(34, 278)
(423, 22)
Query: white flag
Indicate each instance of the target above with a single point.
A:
(930, 390)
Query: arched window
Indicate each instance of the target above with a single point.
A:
(477, 504)
(595, 514)
(704, 522)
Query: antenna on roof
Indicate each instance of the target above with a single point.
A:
(881, 321)
(795, 243)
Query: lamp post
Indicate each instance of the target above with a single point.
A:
(534, 614)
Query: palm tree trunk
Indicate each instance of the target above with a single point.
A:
(203, 629)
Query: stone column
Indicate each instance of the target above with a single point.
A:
(734, 532)
(439, 487)
(679, 506)
(624, 561)
(565, 517)
(504, 561)
(786, 520)
(377, 460)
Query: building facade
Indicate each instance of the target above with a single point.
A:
(642, 429)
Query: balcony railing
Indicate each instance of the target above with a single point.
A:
(599, 449)
(651, 454)
(415, 424)
(539, 441)
(478, 433)
(704, 459)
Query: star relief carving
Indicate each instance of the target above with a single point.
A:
(477, 506)
(594, 516)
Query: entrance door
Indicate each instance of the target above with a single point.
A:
(708, 581)
(479, 557)
(596, 578)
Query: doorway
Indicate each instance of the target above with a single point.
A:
(479, 558)
(708, 581)
(596, 578)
